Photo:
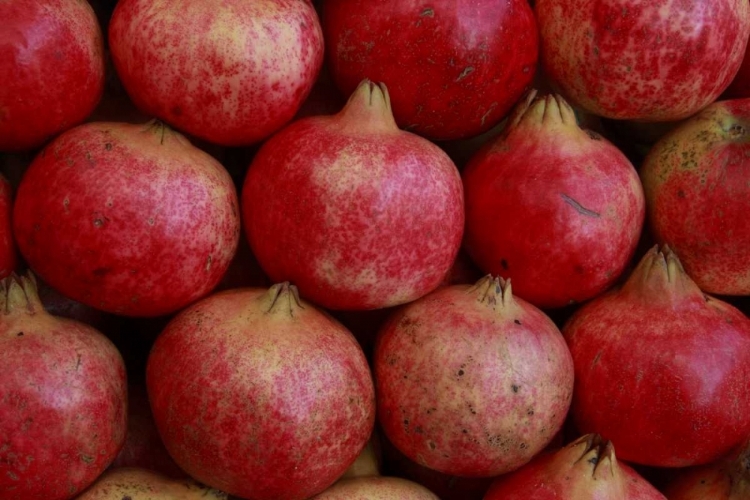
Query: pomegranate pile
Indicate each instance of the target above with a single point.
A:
(356, 250)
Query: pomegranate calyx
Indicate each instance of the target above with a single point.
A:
(659, 277)
(550, 110)
(493, 290)
(19, 294)
(369, 108)
(161, 130)
(598, 452)
(284, 297)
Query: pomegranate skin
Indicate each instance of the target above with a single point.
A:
(555, 208)
(8, 255)
(63, 399)
(682, 398)
(376, 488)
(586, 469)
(231, 73)
(697, 185)
(471, 381)
(129, 219)
(639, 59)
(286, 399)
(460, 65)
(355, 212)
(52, 62)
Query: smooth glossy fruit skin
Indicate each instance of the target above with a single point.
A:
(52, 62)
(261, 395)
(459, 65)
(697, 185)
(585, 469)
(639, 59)
(661, 368)
(555, 208)
(355, 212)
(130, 219)
(231, 72)
(376, 488)
(471, 381)
(8, 254)
(141, 484)
(63, 399)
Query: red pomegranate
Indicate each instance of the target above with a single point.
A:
(556, 208)
(63, 398)
(458, 68)
(586, 469)
(471, 381)
(697, 185)
(130, 219)
(260, 394)
(52, 62)
(640, 59)
(661, 368)
(231, 72)
(357, 213)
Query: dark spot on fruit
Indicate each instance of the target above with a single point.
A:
(19, 334)
(593, 135)
(515, 388)
(108, 146)
(406, 421)
(530, 412)
(432, 445)
(518, 322)
(177, 111)
(87, 459)
(464, 431)
(680, 193)
(504, 264)
(428, 12)
(522, 446)
(736, 130)
(126, 498)
(578, 207)
(102, 271)
(460, 373)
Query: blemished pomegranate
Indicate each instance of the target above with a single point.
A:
(460, 65)
(640, 59)
(376, 488)
(231, 72)
(725, 479)
(286, 399)
(472, 381)
(661, 369)
(586, 469)
(555, 208)
(355, 212)
(52, 62)
(63, 399)
(697, 185)
(130, 219)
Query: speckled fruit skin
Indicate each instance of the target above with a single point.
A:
(355, 212)
(725, 479)
(376, 488)
(141, 484)
(460, 65)
(471, 381)
(8, 255)
(130, 219)
(52, 62)
(556, 208)
(231, 72)
(639, 59)
(697, 185)
(63, 399)
(587, 468)
(260, 394)
(661, 368)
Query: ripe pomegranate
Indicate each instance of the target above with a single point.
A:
(725, 479)
(52, 62)
(460, 65)
(63, 398)
(697, 185)
(548, 188)
(286, 400)
(231, 72)
(679, 399)
(640, 59)
(8, 257)
(587, 468)
(357, 213)
(130, 219)
(376, 488)
(472, 381)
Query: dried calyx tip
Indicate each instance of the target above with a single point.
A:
(20, 292)
(597, 451)
(494, 289)
(285, 289)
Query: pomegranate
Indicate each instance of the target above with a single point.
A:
(587, 469)
(357, 213)
(697, 185)
(725, 479)
(286, 400)
(548, 188)
(640, 59)
(130, 219)
(8, 257)
(460, 65)
(141, 484)
(63, 398)
(682, 398)
(52, 62)
(231, 72)
(472, 381)
(376, 488)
